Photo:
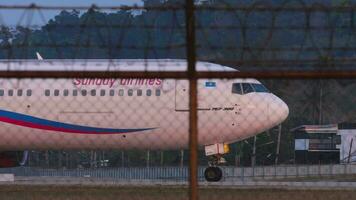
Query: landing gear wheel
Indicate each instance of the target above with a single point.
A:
(213, 174)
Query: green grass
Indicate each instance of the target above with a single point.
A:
(160, 193)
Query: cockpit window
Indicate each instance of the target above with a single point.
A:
(247, 88)
(259, 87)
(236, 88)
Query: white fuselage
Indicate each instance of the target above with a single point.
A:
(127, 113)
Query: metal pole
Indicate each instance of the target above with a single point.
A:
(95, 160)
(162, 158)
(148, 159)
(349, 157)
(122, 159)
(241, 153)
(278, 143)
(193, 115)
(181, 158)
(320, 103)
(237, 156)
(253, 159)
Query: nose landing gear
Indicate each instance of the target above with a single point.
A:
(213, 173)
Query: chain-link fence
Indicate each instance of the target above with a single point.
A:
(165, 93)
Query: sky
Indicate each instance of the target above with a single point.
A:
(13, 17)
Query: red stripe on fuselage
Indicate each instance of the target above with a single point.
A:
(43, 127)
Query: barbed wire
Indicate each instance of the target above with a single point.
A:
(93, 6)
(227, 7)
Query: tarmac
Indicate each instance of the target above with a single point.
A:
(88, 181)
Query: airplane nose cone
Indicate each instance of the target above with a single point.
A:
(278, 111)
(284, 112)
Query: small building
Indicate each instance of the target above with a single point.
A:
(325, 144)
(347, 132)
(316, 144)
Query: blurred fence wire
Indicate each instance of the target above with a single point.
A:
(260, 36)
(285, 40)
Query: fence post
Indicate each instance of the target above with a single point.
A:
(193, 132)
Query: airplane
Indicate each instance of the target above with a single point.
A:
(146, 114)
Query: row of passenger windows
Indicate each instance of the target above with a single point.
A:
(245, 88)
(18, 92)
(120, 92)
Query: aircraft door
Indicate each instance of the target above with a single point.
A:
(236, 114)
(182, 96)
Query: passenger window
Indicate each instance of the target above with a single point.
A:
(1, 92)
(247, 88)
(139, 92)
(236, 88)
(148, 92)
(102, 92)
(19, 92)
(11, 93)
(130, 92)
(65, 93)
(121, 92)
(75, 93)
(84, 92)
(47, 93)
(158, 92)
(56, 93)
(112, 92)
(93, 92)
(29, 93)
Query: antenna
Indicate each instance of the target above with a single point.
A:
(39, 57)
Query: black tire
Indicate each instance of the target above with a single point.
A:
(213, 174)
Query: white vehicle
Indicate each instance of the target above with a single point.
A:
(147, 114)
